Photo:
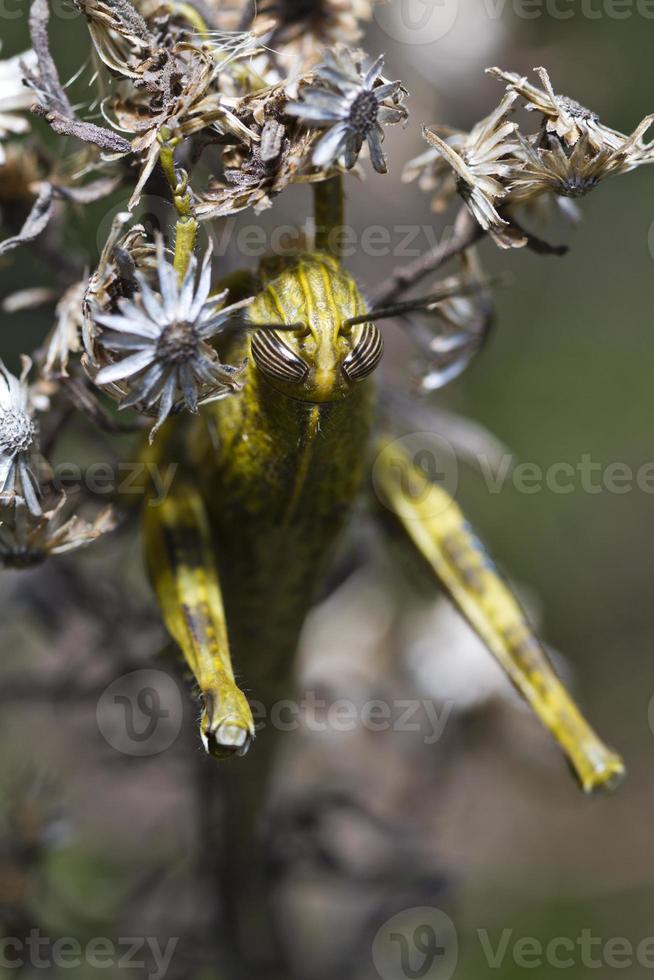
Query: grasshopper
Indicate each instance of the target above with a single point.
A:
(237, 550)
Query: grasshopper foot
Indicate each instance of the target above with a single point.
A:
(226, 726)
(599, 770)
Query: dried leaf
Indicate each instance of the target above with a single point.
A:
(95, 191)
(47, 82)
(87, 132)
(28, 299)
(36, 223)
(54, 105)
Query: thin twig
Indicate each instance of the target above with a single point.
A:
(425, 303)
(539, 245)
(466, 233)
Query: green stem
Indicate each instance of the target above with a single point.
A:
(328, 203)
(187, 226)
(185, 234)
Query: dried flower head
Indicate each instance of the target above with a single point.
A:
(14, 97)
(464, 319)
(170, 80)
(168, 362)
(18, 436)
(482, 164)
(564, 117)
(552, 168)
(27, 539)
(496, 168)
(352, 106)
(450, 324)
(120, 36)
(300, 30)
(432, 170)
(123, 254)
(65, 337)
(254, 176)
(188, 108)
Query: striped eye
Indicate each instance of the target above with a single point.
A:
(276, 359)
(365, 357)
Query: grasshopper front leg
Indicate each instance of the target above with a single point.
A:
(180, 559)
(438, 530)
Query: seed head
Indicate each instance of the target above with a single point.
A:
(178, 343)
(364, 112)
(17, 431)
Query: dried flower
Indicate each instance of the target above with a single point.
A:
(188, 107)
(27, 539)
(433, 171)
(14, 97)
(352, 106)
(18, 434)
(120, 35)
(465, 317)
(496, 168)
(566, 118)
(122, 255)
(169, 362)
(482, 163)
(450, 324)
(300, 30)
(65, 337)
(550, 168)
(170, 76)
(253, 180)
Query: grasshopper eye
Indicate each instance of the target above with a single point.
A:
(276, 359)
(366, 355)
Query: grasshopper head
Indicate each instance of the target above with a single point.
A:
(320, 358)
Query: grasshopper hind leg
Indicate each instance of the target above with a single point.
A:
(181, 563)
(432, 523)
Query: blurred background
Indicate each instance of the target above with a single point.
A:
(484, 824)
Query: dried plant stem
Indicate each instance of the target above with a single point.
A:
(466, 233)
(187, 226)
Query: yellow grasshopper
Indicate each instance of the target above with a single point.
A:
(237, 550)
